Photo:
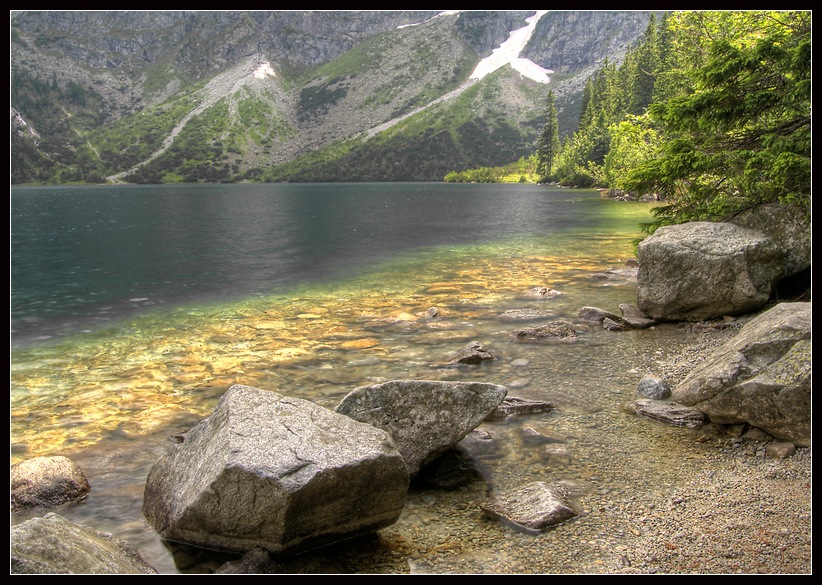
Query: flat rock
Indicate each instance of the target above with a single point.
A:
(554, 331)
(517, 406)
(531, 508)
(670, 412)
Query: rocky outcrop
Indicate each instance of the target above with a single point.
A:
(278, 473)
(390, 63)
(46, 482)
(52, 545)
(425, 417)
(762, 376)
(704, 270)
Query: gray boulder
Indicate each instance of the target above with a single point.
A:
(786, 225)
(46, 482)
(278, 473)
(52, 545)
(761, 377)
(424, 417)
(703, 270)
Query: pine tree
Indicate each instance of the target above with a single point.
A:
(644, 70)
(548, 143)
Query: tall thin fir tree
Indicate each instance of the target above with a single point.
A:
(548, 143)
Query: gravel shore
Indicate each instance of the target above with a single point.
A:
(726, 505)
(749, 513)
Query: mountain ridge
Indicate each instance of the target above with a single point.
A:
(173, 96)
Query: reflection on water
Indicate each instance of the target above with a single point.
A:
(111, 398)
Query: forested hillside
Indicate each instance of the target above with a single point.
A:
(710, 112)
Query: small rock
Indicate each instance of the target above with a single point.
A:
(780, 450)
(472, 354)
(553, 331)
(654, 388)
(46, 482)
(533, 507)
(514, 405)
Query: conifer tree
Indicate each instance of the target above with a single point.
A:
(742, 135)
(644, 70)
(548, 143)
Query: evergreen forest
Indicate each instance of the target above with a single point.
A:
(710, 113)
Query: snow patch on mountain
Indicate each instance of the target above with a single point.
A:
(264, 70)
(508, 54)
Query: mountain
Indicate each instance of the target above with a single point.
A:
(156, 96)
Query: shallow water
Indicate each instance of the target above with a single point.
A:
(111, 393)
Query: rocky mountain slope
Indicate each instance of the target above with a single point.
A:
(289, 95)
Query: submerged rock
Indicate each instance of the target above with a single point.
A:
(51, 545)
(524, 315)
(46, 482)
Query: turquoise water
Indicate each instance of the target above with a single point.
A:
(135, 308)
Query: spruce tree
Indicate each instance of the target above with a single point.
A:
(548, 143)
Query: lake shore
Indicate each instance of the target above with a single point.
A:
(748, 513)
(739, 511)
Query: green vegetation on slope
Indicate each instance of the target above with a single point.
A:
(711, 112)
(453, 134)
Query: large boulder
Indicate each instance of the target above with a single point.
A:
(786, 225)
(425, 417)
(761, 377)
(46, 482)
(51, 545)
(704, 270)
(273, 472)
